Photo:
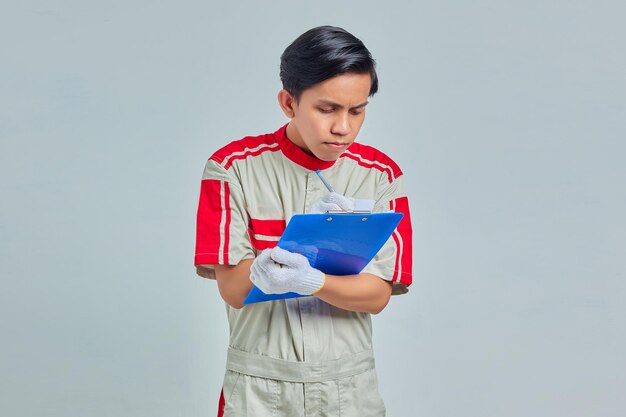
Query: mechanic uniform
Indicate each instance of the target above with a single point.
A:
(299, 356)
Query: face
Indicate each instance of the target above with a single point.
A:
(327, 117)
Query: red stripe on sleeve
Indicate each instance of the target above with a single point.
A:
(403, 237)
(208, 223)
(396, 270)
(227, 225)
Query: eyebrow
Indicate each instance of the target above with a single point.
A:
(339, 106)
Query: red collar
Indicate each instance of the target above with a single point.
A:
(297, 155)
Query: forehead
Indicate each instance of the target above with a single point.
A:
(347, 89)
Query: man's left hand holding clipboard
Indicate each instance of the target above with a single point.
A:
(278, 271)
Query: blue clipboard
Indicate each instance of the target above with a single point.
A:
(334, 243)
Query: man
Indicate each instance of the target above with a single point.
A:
(311, 355)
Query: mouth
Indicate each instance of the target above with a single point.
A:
(337, 145)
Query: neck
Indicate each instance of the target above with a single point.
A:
(294, 136)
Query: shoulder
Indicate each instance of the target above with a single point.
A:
(246, 147)
(369, 157)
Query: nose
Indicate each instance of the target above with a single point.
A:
(341, 125)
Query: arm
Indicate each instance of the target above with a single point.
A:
(223, 249)
(278, 271)
(233, 281)
(364, 292)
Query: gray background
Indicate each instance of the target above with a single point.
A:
(508, 119)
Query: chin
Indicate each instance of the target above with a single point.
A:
(328, 158)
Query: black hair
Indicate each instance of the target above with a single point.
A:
(322, 53)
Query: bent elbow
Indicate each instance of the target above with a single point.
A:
(381, 304)
(377, 310)
(233, 300)
(236, 306)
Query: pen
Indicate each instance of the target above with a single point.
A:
(325, 181)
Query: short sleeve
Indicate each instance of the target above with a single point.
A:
(394, 262)
(222, 221)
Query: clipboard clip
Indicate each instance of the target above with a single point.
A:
(348, 212)
(361, 206)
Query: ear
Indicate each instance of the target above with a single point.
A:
(287, 103)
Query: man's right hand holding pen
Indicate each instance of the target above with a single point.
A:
(333, 201)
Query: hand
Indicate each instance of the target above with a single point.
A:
(278, 271)
(332, 201)
(336, 201)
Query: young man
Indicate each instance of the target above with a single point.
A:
(310, 355)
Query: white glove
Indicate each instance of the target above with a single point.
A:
(332, 201)
(336, 201)
(278, 271)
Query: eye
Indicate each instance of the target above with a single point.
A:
(356, 112)
(326, 109)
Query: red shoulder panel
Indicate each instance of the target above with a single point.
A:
(370, 157)
(243, 148)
